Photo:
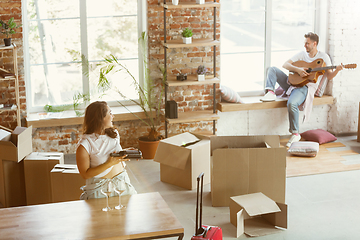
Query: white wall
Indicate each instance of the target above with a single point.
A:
(340, 117)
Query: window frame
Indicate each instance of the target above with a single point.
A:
(141, 27)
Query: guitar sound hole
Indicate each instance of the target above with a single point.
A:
(318, 62)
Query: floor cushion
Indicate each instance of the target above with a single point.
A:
(304, 149)
(318, 135)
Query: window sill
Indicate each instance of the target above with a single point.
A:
(254, 103)
(67, 118)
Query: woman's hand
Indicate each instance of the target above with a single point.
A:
(116, 160)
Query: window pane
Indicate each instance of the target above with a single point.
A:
(49, 9)
(111, 8)
(241, 74)
(113, 35)
(291, 20)
(57, 86)
(60, 41)
(120, 82)
(112, 29)
(242, 44)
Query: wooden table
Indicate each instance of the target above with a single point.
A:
(146, 216)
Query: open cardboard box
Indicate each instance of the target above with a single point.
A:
(37, 168)
(247, 164)
(257, 215)
(182, 158)
(66, 182)
(19, 145)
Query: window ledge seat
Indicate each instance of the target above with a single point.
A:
(67, 118)
(254, 103)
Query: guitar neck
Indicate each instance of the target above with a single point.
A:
(322, 68)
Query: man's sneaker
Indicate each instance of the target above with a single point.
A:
(268, 97)
(294, 138)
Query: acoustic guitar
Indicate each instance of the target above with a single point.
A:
(315, 69)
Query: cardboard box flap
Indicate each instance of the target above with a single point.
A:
(46, 156)
(176, 151)
(172, 155)
(21, 134)
(182, 139)
(5, 135)
(256, 227)
(256, 204)
(65, 166)
(278, 219)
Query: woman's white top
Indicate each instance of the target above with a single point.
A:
(99, 148)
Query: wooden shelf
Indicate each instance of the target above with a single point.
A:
(191, 80)
(196, 116)
(3, 47)
(8, 78)
(169, 5)
(254, 103)
(202, 42)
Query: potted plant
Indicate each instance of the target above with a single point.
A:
(201, 72)
(200, 1)
(149, 98)
(187, 35)
(8, 28)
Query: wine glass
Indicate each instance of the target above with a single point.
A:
(119, 189)
(107, 190)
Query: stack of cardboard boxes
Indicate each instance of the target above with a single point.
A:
(234, 165)
(25, 176)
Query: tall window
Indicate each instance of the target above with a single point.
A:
(59, 32)
(256, 34)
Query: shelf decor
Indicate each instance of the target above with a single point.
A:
(200, 1)
(187, 35)
(175, 2)
(201, 72)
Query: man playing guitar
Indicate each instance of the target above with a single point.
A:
(300, 98)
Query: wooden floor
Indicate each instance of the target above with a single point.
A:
(325, 162)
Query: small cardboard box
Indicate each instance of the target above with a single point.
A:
(19, 146)
(247, 164)
(182, 158)
(37, 168)
(66, 182)
(257, 215)
(12, 183)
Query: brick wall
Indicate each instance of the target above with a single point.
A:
(344, 39)
(9, 9)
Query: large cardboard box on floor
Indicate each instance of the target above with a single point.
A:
(37, 168)
(247, 164)
(12, 183)
(182, 158)
(257, 215)
(66, 182)
(18, 146)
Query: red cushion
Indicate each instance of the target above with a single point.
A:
(318, 135)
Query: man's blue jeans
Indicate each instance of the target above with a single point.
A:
(296, 98)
